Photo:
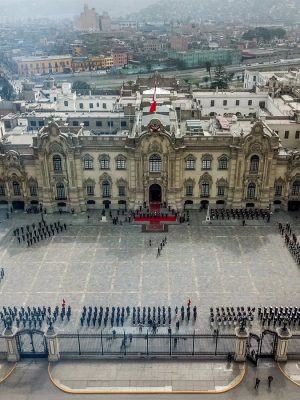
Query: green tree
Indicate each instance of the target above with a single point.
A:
(221, 78)
(6, 89)
(80, 87)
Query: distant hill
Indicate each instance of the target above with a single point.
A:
(19, 9)
(222, 10)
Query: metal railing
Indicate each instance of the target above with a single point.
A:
(146, 344)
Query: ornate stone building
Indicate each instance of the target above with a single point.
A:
(64, 167)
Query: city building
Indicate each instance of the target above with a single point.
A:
(88, 20)
(29, 66)
(120, 59)
(179, 42)
(198, 58)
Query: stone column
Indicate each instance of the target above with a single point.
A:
(52, 345)
(283, 339)
(242, 335)
(13, 354)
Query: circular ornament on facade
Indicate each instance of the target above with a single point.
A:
(154, 126)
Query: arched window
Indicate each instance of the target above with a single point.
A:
(33, 189)
(88, 162)
(296, 188)
(155, 163)
(223, 163)
(120, 162)
(16, 188)
(60, 191)
(251, 191)
(206, 162)
(104, 161)
(106, 188)
(190, 162)
(254, 164)
(204, 189)
(57, 166)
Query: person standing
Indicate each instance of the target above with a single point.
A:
(270, 379)
(257, 382)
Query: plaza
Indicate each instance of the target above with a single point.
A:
(100, 264)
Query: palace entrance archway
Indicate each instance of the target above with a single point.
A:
(155, 193)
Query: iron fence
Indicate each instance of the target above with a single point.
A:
(146, 344)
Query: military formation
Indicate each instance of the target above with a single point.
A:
(150, 317)
(291, 240)
(36, 232)
(231, 316)
(34, 317)
(240, 213)
(278, 316)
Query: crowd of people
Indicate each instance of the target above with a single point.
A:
(1, 274)
(32, 234)
(151, 317)
(277, 316)
(240, 213)
(291, 240)
(231, 316)
(34, 317)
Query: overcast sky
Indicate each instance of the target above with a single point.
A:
(31, 8)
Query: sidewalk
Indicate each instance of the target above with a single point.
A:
(145, 376)
(291, 369)
(6, 368)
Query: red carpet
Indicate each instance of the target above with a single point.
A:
(155, 220)
(154, 206)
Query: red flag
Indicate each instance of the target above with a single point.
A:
(153, 104)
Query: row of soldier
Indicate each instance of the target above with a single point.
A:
(139, 316)
(291, 240)
(231, 316)
(277, 316)
(34, 233)
(1, 273)
(240, 213)
(34, 317)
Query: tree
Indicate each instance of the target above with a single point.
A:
(80, 87)
(6, 89)
(221, 78)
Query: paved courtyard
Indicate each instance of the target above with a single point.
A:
(93, 263)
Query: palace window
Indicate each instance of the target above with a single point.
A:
(223, 163)
(251, 191)
(296, 188)
(57, 166)
(88, 162)
(205, 189)
(206, 163)
(189, 190)
(122, 191)
(33, 190)
(16, 188)
(60, 191)
(190, 162)
(120, 162)
(2, 190)
(278, 189)
(106, 189)
(155, 163)
(104, 162)
(90, 190)
(221, 190)
(254, 164)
